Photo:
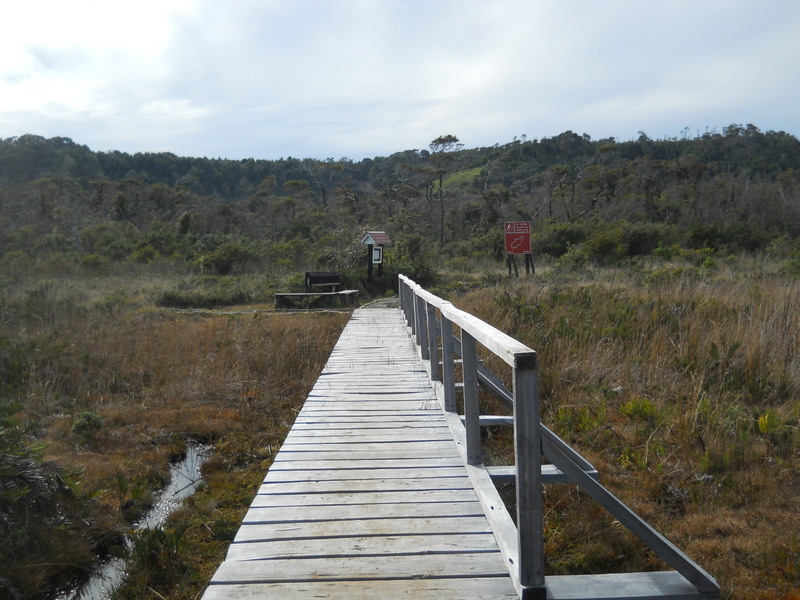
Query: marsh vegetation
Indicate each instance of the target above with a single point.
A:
(679, 380)
(133, 320)
(102, 389)
(680, 383)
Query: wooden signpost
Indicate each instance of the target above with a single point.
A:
(375, 241)
(518, 241)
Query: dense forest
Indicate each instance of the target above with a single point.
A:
(598, 200)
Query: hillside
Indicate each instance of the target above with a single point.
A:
(61, 202)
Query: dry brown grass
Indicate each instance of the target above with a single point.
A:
(680, 386)
(683, 388)
(116, 387)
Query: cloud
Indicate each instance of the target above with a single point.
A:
(328, 78)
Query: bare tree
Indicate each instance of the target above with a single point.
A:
(440, 156)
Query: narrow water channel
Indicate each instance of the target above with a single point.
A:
(184, 478)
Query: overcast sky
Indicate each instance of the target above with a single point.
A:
(364, 78)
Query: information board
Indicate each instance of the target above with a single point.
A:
(518, 237)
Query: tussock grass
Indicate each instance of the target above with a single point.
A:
(681, 385)
(110, 388)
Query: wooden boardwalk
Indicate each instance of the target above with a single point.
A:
(368, 497)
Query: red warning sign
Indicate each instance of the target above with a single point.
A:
(518, 237)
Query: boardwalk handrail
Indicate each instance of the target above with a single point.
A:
(522, 544)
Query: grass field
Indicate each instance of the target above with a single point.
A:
(681, 385)
(678, 380)
(102, 388)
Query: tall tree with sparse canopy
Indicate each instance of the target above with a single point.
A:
(440, 156)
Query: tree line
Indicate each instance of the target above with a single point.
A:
(734, 190)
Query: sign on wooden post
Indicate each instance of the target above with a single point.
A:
(375, 241)
(518, 237)
(518, 241)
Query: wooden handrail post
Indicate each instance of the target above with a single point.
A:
(422, 326)
(433, 342)
(448, 365)
(412, 310)
(401, 293)
(404, 300)
(469, 364)
(410, 306)
(528, 450)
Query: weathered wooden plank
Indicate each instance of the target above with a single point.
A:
(392, 385)
(376, 409)
(315, 453)
(365, 545)
(250, 532)
(378, 401)
(415, 431)
(363, 498)
(381, 437)
(432, 446)
(363, 474)
(375, 376)
(338, 429)
(371, 424)
(389, 436)
(390, 416)
(374, 401)
(406, 589)
(373, 373)
(416, 406)
(316, 430)
(386, 484)
(355, 512)
(288, 464)
(357, 414)
(280, 486)
(353, 568)
(315, 423)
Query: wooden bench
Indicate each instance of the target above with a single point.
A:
(319, 279)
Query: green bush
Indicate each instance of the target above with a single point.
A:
(145, 254)
(490, 243)
(87, 424)
(556, 240)
(227, 258)
(606, 246)
(728, 236)
(667, 252)
(643, 239)
(93, 262)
